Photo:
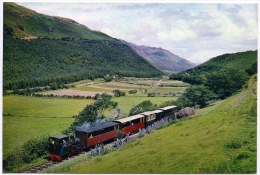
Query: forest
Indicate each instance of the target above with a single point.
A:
(43, 61)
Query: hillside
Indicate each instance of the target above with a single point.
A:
(241, 62)
(163, 59)
(219, 139)
(224, 75)
(68, 53)
(25, 22)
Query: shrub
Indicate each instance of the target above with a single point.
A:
(26, 153)
(152, 94)
(186, 112)
(132, 92)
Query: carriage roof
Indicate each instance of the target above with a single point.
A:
(168, 107)
(151, 112)
(59, 136)
(127, 119)
(98, 127)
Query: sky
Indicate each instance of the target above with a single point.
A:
(192, 30)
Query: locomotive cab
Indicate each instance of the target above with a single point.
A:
(57, 147)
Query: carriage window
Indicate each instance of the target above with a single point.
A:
(126, 124)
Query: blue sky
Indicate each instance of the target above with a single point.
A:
(194, 31)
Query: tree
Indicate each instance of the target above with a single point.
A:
(142, 107)
(54, 86)
(8, 30)
(225, 82)
(199, 95)
(118, 93)
(89, 113)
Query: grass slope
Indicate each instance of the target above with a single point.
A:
(26, 22)
(220, 139)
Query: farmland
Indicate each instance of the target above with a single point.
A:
(34, 116)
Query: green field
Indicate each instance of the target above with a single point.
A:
(125, 103)
(27, 117)
(23, 106)
(168, 88)
(219, 139)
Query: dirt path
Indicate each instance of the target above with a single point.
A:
(159, 82)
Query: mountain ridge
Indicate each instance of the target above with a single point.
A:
(162, 58)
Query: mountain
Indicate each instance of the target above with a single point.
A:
(162, 58)
(39, 50)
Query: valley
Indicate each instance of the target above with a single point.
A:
(59, 74)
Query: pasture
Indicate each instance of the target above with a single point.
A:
(27, 117)
(143, 87)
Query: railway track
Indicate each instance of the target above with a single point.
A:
(39, 167)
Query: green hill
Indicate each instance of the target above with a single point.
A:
(68, 53)
(26, 22)
(224, 75)
(237, 62)
(219, 139)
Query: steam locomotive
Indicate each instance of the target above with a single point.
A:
(63, 146)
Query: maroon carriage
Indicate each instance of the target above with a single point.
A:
(131, 124)
(97, 134)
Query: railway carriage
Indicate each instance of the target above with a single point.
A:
(168, 111)
(152, 116)
(131, 124)
(97, 134)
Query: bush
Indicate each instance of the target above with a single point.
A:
(118, 93)
(152, 94)
(186, 112)
(132, 92)
(29, 151)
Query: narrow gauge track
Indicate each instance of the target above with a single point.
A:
(41, 166)
(44, 165)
